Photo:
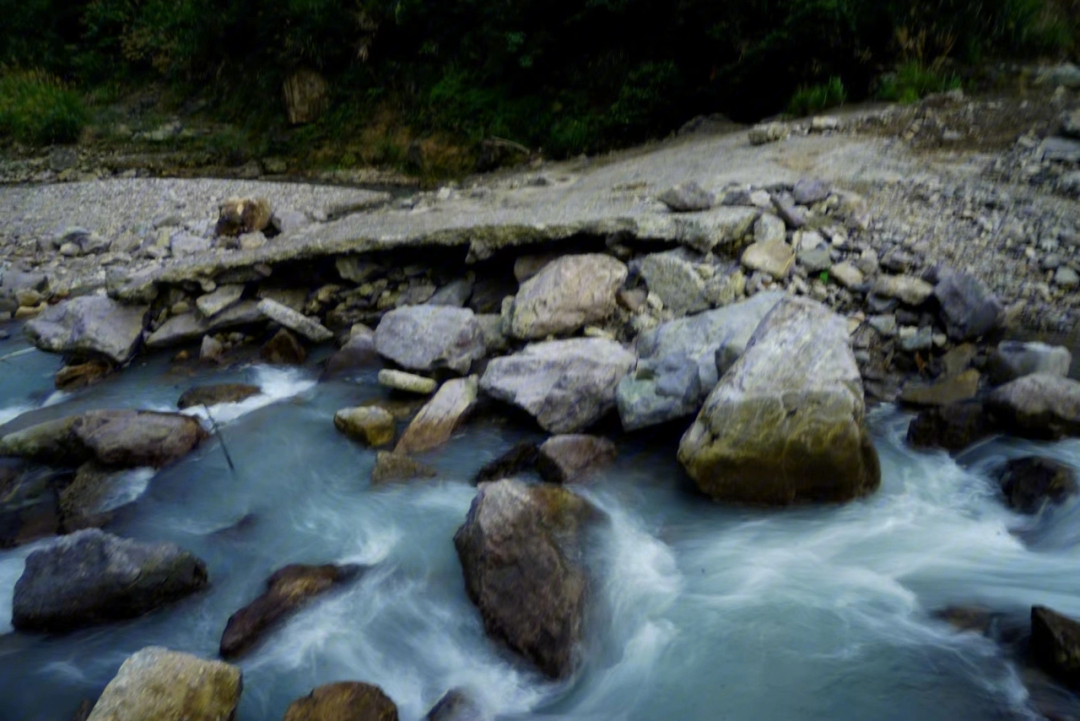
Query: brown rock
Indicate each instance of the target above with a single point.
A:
(357, 354)
(283, 349)
(370, 425)
(570, 458)
(519, 459)
(214, 394)
(80, 501)
(1028, 483)
(953, 427)
(287, 590)
(951, 389)
(441, 416)
(343, 701)
(398, 467)
(73, 377)
(1055, 645)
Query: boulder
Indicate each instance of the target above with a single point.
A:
(1055, 645)
(370, 425)
(1040, 406)
(1016, 359)
(343, 701)
(92, 577)
(283, 349)
(357, 354)
(124, 438)
(565, 295)
(1029, 483)
(952, 427)
(90, 325)
(430, 337)
(294, 321)
(90, 499)
(287, 590)
(682, 360)
(218, 393)
(775, 431)
(189, 327)
(945, 391)
(407, 382)
(521, 550)
(570, 458)
(967, 307)
(675, 282)
(905, 288)
(565, 385)
(441, 416)
(391, 467)
(163, 685)
(237, 216)
(28, 504)
(774, 258)
(687, 198)
(519, 459)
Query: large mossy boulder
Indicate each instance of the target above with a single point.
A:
(91, 325)
(163, 685)
(343, 701)
(93, 577)
(120, 438)
(565, 295)
(786, 423)
(287, 590)
(522, 553)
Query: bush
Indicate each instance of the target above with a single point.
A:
(913, 81)
(37, 109)
(814, 99)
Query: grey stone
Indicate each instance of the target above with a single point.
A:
(567, 294)
(572, 458)
(356, 269)
(297, 322)
(429, 337)
(808, 191)
(90, 324)
(769, 229)
(224, 297)
(288, 221)
(189, 327)
(675, 281)
(816, 260)
(775, 431)
(181, 244)
(1016, 359)
(1065, 74)
(92, 577)
(1062, 150)
(566, 385)
(1066, 277)
(1070, 124)
(1041, 406)
(905, 288)
(407, 382)
(455, 294)
(885, 325)
(774, 258)
(846, 274)
(687, 198)
(768, 133)
(968, 308)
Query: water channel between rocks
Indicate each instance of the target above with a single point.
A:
(701, 611)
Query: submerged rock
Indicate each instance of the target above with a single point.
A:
(952, 427)
(163, 685)
(455, 705)
(283, 349)
(521, 550)
(398, 467)
(776, 431)
(566, 385)
(90, 325)
(357, 354)
(370, 425)
(1040, 406)
(1029, 483)
(570, 458)
(1015, 359)
(1055, 645)
(93, 577)
(287, 590)
(441, 416)
(28, 504)
(566, 295)
(343, 701)
(519, 459)
(430, 337)
(217, 393)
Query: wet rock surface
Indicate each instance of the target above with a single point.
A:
(343, 701)
(1030, 483)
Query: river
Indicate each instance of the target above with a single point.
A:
(699, 610)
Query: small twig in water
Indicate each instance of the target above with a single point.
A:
(17, 353)
(221, 439)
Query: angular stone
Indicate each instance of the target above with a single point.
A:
(455, 294)
(774, 258)
(283, 349)
(455, 705)
(190, 327)
(1055, 645)
(1062, 150)
(769, 229)
(675, 282)
(164, 685)
(28, 504)
(398, 467)
(427, 338)
(81, 375)
(519, 459)
(914, 339)
(1029, 483)
(521, 550)
(968, 308)
(815, 260)
(566, 295)
(358, 354)
(92, 577)
(90, 324)
(287, 590)
(566, 385)
(944, 392)
(296, 322)
(1040, 406)
(777, 432)
(571, 458)
(407, 382)
(224, 297)
(1016, 359)
(905, 288)
(808, 191)
(441, 416)
(211, 350)
(846, 275)
(343, 701)
(687, 198)
(953, 427)
(768, 133)
(370, 425)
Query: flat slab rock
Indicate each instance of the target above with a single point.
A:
(294, 321)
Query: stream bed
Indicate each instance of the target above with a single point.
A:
(702, 611)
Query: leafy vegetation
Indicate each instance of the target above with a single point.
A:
(912, 81)
(814, 99)
(37, 109)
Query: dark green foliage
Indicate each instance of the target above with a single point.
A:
(36, 108)
(814, 99)
(912, 81)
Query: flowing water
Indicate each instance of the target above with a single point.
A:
(700, 611)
